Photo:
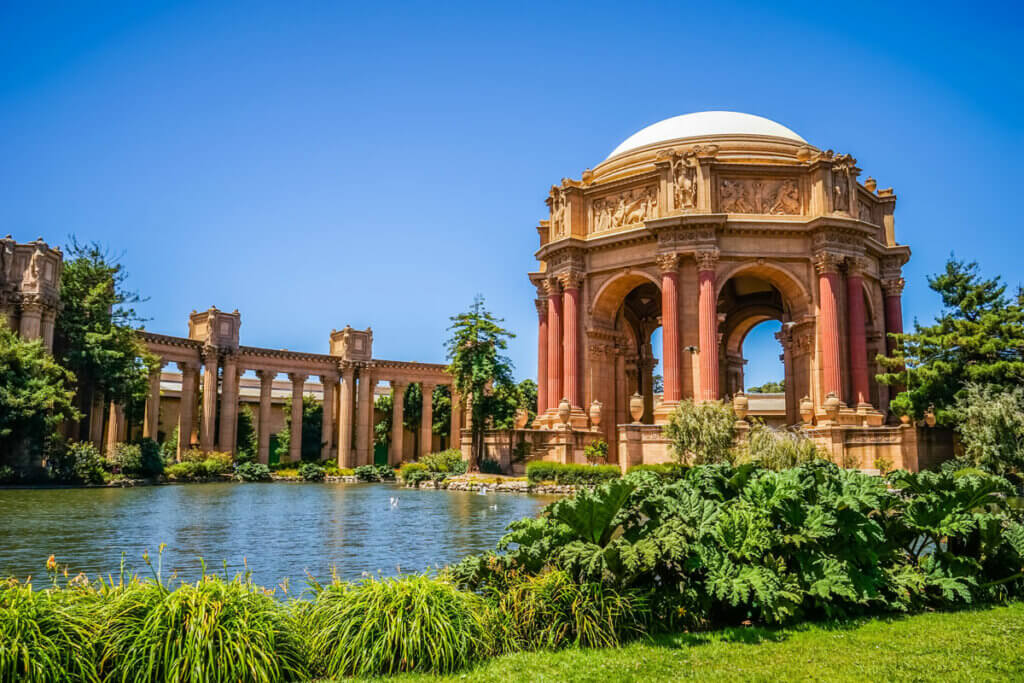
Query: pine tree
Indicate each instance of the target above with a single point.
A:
(479, 371)
(978, 338)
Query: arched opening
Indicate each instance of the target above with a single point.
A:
(640, 318)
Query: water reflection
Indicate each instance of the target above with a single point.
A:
(280, 530)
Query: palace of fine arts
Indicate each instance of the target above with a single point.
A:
(458, 342)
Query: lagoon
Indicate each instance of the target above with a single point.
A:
(280, 531)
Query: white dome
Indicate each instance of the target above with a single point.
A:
(702, 124)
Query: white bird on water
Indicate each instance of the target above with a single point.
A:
(482, 491)
(394, 502)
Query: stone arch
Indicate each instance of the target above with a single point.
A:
(610, 296)
(795, 294)
(743, 322)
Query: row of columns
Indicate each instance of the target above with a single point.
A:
(558, 343)
(349, 412)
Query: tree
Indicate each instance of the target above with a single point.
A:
(35, 395)
(511, 399)
(95, 331)
(248, 444)
(412, 415)
(312, 427)
(978, 337)
(701, 433)
(476, 365)
(991, 427)
(769, 388)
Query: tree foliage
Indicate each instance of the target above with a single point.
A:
(991, 427)
(96, 330)
(701, 432)
(768, 388)
(978, 337)
(35, 393)
(480, 372)
(509, 399)
(312, 427)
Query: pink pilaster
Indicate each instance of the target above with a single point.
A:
(542, 355)
(828, 287)
(707, 314)
(857, 335)
(554, 344)
(669, 265)
(571, 361)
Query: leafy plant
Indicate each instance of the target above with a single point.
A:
(252, 471)
(596, 452)
(79, 462)
(374, 473)
(991, 427)
(449, 461)
(489, 466)
(701, 433)
(410, 623)
(310, 471)
(570, 473)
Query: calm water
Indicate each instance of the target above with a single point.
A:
(281, 530)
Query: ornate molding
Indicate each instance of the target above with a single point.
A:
(668, 263)
(570, 279)
(762, 196)
(827, 262)
(542, 307)
(707, 259)
(893, 286)
(630, 207)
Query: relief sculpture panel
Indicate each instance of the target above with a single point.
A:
(769, 196)
(626, 208)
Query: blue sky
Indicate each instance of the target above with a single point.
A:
(317, 164)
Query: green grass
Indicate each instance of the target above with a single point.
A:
(982, 644)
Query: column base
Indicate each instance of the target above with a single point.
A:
(663, 411)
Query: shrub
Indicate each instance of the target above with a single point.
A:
(356, 630)
(449, 461)
(81, 462)
(310, 471)
(213, 630)
(991, 427)
(701, 433)
(152, 464)
(408, 468)
(488, 466)
(141, 459)
(8, 475)
(252, 471)
(667, 470)
(778, 449)
(596, 452)
(570, 473)
(190, 469)
(169, 448)
(47, 635)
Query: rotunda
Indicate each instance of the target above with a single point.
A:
(705, 225)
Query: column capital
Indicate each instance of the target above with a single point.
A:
(827, 262)
(297, 377)
(668, 264)
(856, 266)
(893, 286)
(707, 259)
(329, 377)
(570, 279)
(187, 365)
(552, 287)
(266, 375)
(542, 307)
(399, 386)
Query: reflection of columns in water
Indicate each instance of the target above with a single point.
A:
(186, 405)
(427, 419)
(228, 403)
(397, 420)
(345, 416)
(206, 435)
(295, 430)
(266, 386)
(151, 423)
(329, 382)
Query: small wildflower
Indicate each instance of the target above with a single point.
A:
(51, 563)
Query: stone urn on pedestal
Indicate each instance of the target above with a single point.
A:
(522, 417)
(636, 407)
(563, 413)
(807, 410)
(831, 406)
(595, 414)
(741, 406)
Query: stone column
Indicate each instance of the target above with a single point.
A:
(266, 404)
(206, 435)
(669, 266)
(397, 418)
(554, 343)
(456, 435)
(117, 427)
(30, 325)
(228, 404)
(152, 420)
(295, 445)
(348, 377)
(857, 333)
(187, 405)
(542, 355)
(49, 320)
(827, 266)
(708, 324)
(427, 419)
(329, 381)
(571, 333)
(96, 419)
(364, 419)
(893, 289)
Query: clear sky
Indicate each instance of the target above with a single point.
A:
(317, 164)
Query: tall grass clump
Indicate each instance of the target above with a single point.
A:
(410, 623)
(778, 450)
(47, 635)
(210, 631)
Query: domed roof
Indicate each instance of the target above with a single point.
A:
(703, 124)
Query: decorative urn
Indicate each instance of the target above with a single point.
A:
(636, 407)
(740, 405)
(595, 414)
(522, 417)
(806, 409)
(563, 411)
(929, 416)
(831, 406)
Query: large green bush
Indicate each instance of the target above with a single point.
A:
(569, 473)
(724, 544)
(78, 462)
(252, 471)
(141, 459)
(310, 471)
(449, 461)
(701, 432)
(411, 623)
(991, 427)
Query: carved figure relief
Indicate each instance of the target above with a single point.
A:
(775, 197)
(841, 167)
(627, 208)
(6, 258)
(684, 183)
(31, 278)
(864, 211)
(557, 212)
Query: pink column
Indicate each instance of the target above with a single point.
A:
(571, 361)
(856, 330)
(828, 287)
(542, 355)
(893, 310)
(554, 344)
(669, 264)
(707, 315)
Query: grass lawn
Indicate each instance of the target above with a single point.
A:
(984, 644)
